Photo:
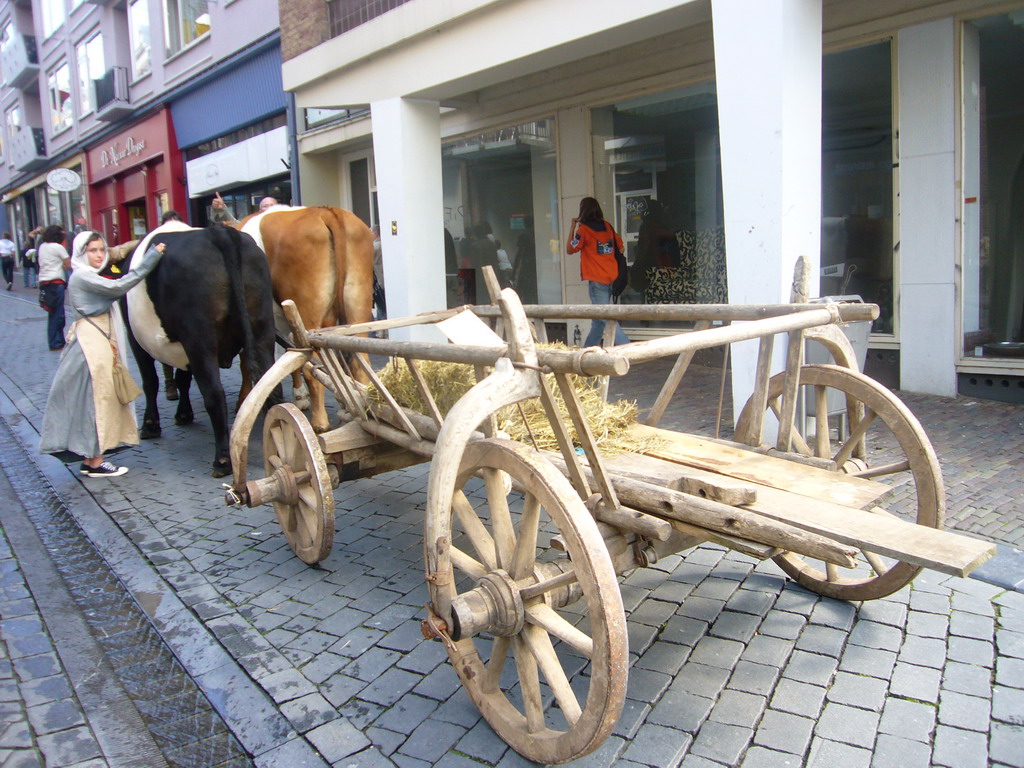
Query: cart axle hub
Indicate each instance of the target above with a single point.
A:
(494, 606)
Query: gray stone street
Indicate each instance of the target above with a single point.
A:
(730, 662)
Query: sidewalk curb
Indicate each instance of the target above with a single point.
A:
(249, 713)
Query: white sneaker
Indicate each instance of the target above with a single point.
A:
(105, 469)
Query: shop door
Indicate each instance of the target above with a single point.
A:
(138, 226)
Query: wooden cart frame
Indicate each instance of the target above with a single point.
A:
(523, 548)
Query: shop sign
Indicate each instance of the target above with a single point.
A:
(116, 152)
(63, 180)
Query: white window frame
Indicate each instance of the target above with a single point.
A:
(62, 114)
(180, 32)
(54, 14)
(12, 120)
(140, 38)
(86, 64)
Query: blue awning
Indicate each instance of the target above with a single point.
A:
(247, 93)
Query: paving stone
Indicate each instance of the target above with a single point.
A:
(968, 679)
(337, 740)
(646, 684)
(684, 630)
(867, 661)
(717, 652)
(798, 698)
(822, 639)
(735, 626)
(871, 634)
(829, 754)
(1008, 704)
(55, 716)
(308, 712)
(896, 752)
(848, 725)
(633, 715)
(360, 713)
(431, 740)
(1010, 643)
(696, 607)
(1010, 672)
(914, 682)
(971, 625)
(858, 691)
(837, 614)
(925, 624)
(439, 684)
(924, 651)
(884, 612)
(682, 710)
(286, 685)
(956, 748)
(1006, 744)
(753, 678)
(700, 679)
(664, 657)
(773, 651)
(921, 600)
(738, 708)
(796, 599)
(68, 747)
(721, 743)
(908, 719)
(810, 668)
(783, 624)
(784, 732)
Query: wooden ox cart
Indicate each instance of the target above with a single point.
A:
(523, 548)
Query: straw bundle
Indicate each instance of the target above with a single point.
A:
(526, 422)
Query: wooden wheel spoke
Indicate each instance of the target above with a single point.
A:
(884, 469)
(496, 664)
(474, 528)
(822, 442)
(525, 554)
(544, 617)
(533, 590)
(832, 572)
(799, 444)
(857, 432)
(501, 518)
(875, 561)
(277, 437)
(544, 652)
(467, 564)
(529, 684)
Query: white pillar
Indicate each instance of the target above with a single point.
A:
(928, 207)
(407, 157)
(768, 72)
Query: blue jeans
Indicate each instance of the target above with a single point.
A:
(55, 321)
(602, 294)
(28, 275)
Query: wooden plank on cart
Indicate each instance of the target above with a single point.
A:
(868, 530)
(770, 471)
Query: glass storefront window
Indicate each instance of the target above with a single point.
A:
(992, 287)
(657, 170)
(857, 178)
(501, 206)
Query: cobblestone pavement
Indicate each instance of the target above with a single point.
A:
(730, 664)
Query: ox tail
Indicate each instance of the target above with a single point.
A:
(229, 243)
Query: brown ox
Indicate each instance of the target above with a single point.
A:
(322, 259)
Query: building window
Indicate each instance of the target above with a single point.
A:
(138, 30)
(59, 86)
(53, 15)
(343, 15)
(501, 194)
(992, 288)
(90, 67)
(187, 21)
(13, 120)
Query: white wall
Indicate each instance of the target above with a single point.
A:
(928, 231)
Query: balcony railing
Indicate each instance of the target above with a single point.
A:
(112, 94)
(343, 15)
(19, 60)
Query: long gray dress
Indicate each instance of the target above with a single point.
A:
(69, 424)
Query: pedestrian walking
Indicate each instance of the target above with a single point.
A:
(594, 239)
(29, 264)
(87, 415)
(53, 265)
(7, 253)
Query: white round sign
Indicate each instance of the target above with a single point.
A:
(64, 180)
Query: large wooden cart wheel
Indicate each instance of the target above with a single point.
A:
(304, 502)
(883, 441)
(546, 668)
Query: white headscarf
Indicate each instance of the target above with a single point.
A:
(79, 258)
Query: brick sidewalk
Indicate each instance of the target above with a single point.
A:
(730, 664)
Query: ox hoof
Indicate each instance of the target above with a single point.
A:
(221, 469)
(149, 432)
(184, 421)
(302, 403)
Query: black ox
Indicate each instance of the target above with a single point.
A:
(211, 293)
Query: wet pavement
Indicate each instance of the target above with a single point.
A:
(730, 664)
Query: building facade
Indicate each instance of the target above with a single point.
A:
(722, 139)
(130, 96)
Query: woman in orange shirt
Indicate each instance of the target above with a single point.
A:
(594, 239)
